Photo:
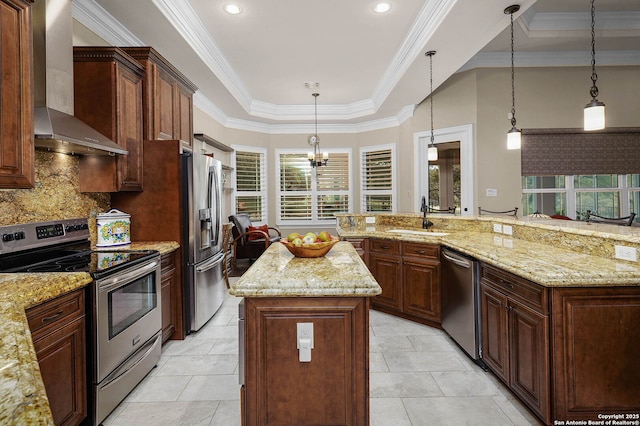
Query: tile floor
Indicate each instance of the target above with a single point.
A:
(418, 376)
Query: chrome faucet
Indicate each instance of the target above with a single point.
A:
(426, 224)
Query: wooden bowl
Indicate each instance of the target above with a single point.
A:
(311, 250)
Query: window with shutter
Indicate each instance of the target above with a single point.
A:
(250, 188)
(312, 196)
(378, 178)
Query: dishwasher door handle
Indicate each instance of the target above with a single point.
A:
(457, 260)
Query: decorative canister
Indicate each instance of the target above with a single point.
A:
(114, 228)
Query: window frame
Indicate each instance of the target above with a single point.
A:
(392, 191)
(313, 192)
(264, 190)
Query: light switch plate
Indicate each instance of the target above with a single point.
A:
(507, 229)
(497, 227)
(370, 219)
(492, 192)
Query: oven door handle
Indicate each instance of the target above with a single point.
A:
(116, 281)
(131, 363)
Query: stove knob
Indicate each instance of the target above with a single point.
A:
(7, 237)
(19, 235)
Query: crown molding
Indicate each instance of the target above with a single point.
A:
(93, 16)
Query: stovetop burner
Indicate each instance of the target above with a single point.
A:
(62, 249)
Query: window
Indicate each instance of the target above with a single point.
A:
(251, 185)
(608, 195)
(378, 178)
(312, 196)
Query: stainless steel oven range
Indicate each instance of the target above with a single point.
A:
(123, 312)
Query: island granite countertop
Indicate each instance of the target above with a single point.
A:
(277, 273)
(23, 398)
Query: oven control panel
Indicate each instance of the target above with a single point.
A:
(14, 238)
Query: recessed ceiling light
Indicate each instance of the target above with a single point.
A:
(381, 7)
(232, 9)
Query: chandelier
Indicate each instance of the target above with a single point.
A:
(316, 159)
(514, 136)
(594, 110)
(432, 151)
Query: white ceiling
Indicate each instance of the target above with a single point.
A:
(251, 68)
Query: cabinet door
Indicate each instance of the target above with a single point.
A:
(330, 389)
(62, 360)
(129, 116)
(529, 357)
(494, 331)
(387, 270)
(16, 139)
(184, 115)
(168, 309)
(164, 104)
(421, 288)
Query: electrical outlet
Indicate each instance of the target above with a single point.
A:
(507, 242)
(497, 227)
(305, 331)
(626, 253)
(507, 229)
(370, 219)
(492, 192)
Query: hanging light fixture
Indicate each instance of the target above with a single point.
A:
(514, 135)
(315, 158)
(432, 151)
(594, 110)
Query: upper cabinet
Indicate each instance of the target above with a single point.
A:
(108, 90)
(168, 98)
(16, 94)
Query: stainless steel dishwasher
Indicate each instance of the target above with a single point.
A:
(461, 301)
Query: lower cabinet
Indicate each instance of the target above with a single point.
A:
(169, 285)
(58, 331)
(332, 388)
(515, 336)
(409, 275)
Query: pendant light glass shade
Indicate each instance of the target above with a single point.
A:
(432, 153)
(594, 116)
(594, 110)
(514, 139)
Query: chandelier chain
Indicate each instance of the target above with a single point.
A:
(594, 76)
(513, 85)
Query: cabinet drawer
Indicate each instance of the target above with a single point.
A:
(384, 246)
(421, 250)
(50, 314)
(356, 243)
(532, 295)
(167, 261)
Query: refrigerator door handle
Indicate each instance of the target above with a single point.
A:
(211, 263)
(216, 191)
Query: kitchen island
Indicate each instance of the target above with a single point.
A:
(304, 355)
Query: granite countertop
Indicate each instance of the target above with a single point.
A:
(545, 263)
(277, 273)
(23, 399)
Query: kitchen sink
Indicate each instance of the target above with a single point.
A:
(415, 232)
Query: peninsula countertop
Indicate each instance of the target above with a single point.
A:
(551, 259)
(23, 399)
(277, 273)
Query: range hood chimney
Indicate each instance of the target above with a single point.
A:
(55, 127)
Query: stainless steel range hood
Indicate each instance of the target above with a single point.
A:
(55, 127)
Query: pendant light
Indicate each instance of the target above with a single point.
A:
(514, 136)
(432, 151)
(315, 158)
(594, 110)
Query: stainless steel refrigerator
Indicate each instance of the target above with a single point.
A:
(204, 282)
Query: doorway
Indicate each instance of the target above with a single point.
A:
(459, 140)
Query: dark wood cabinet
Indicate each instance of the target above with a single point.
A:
(108, 97)
(515, 336)
(169, 286)
(596, 342)
(16, 94)
(168, 98)
(58, 331)
(331, 389)
(409, 275)
(385, 265)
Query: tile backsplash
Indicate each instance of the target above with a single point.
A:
(55, 196)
